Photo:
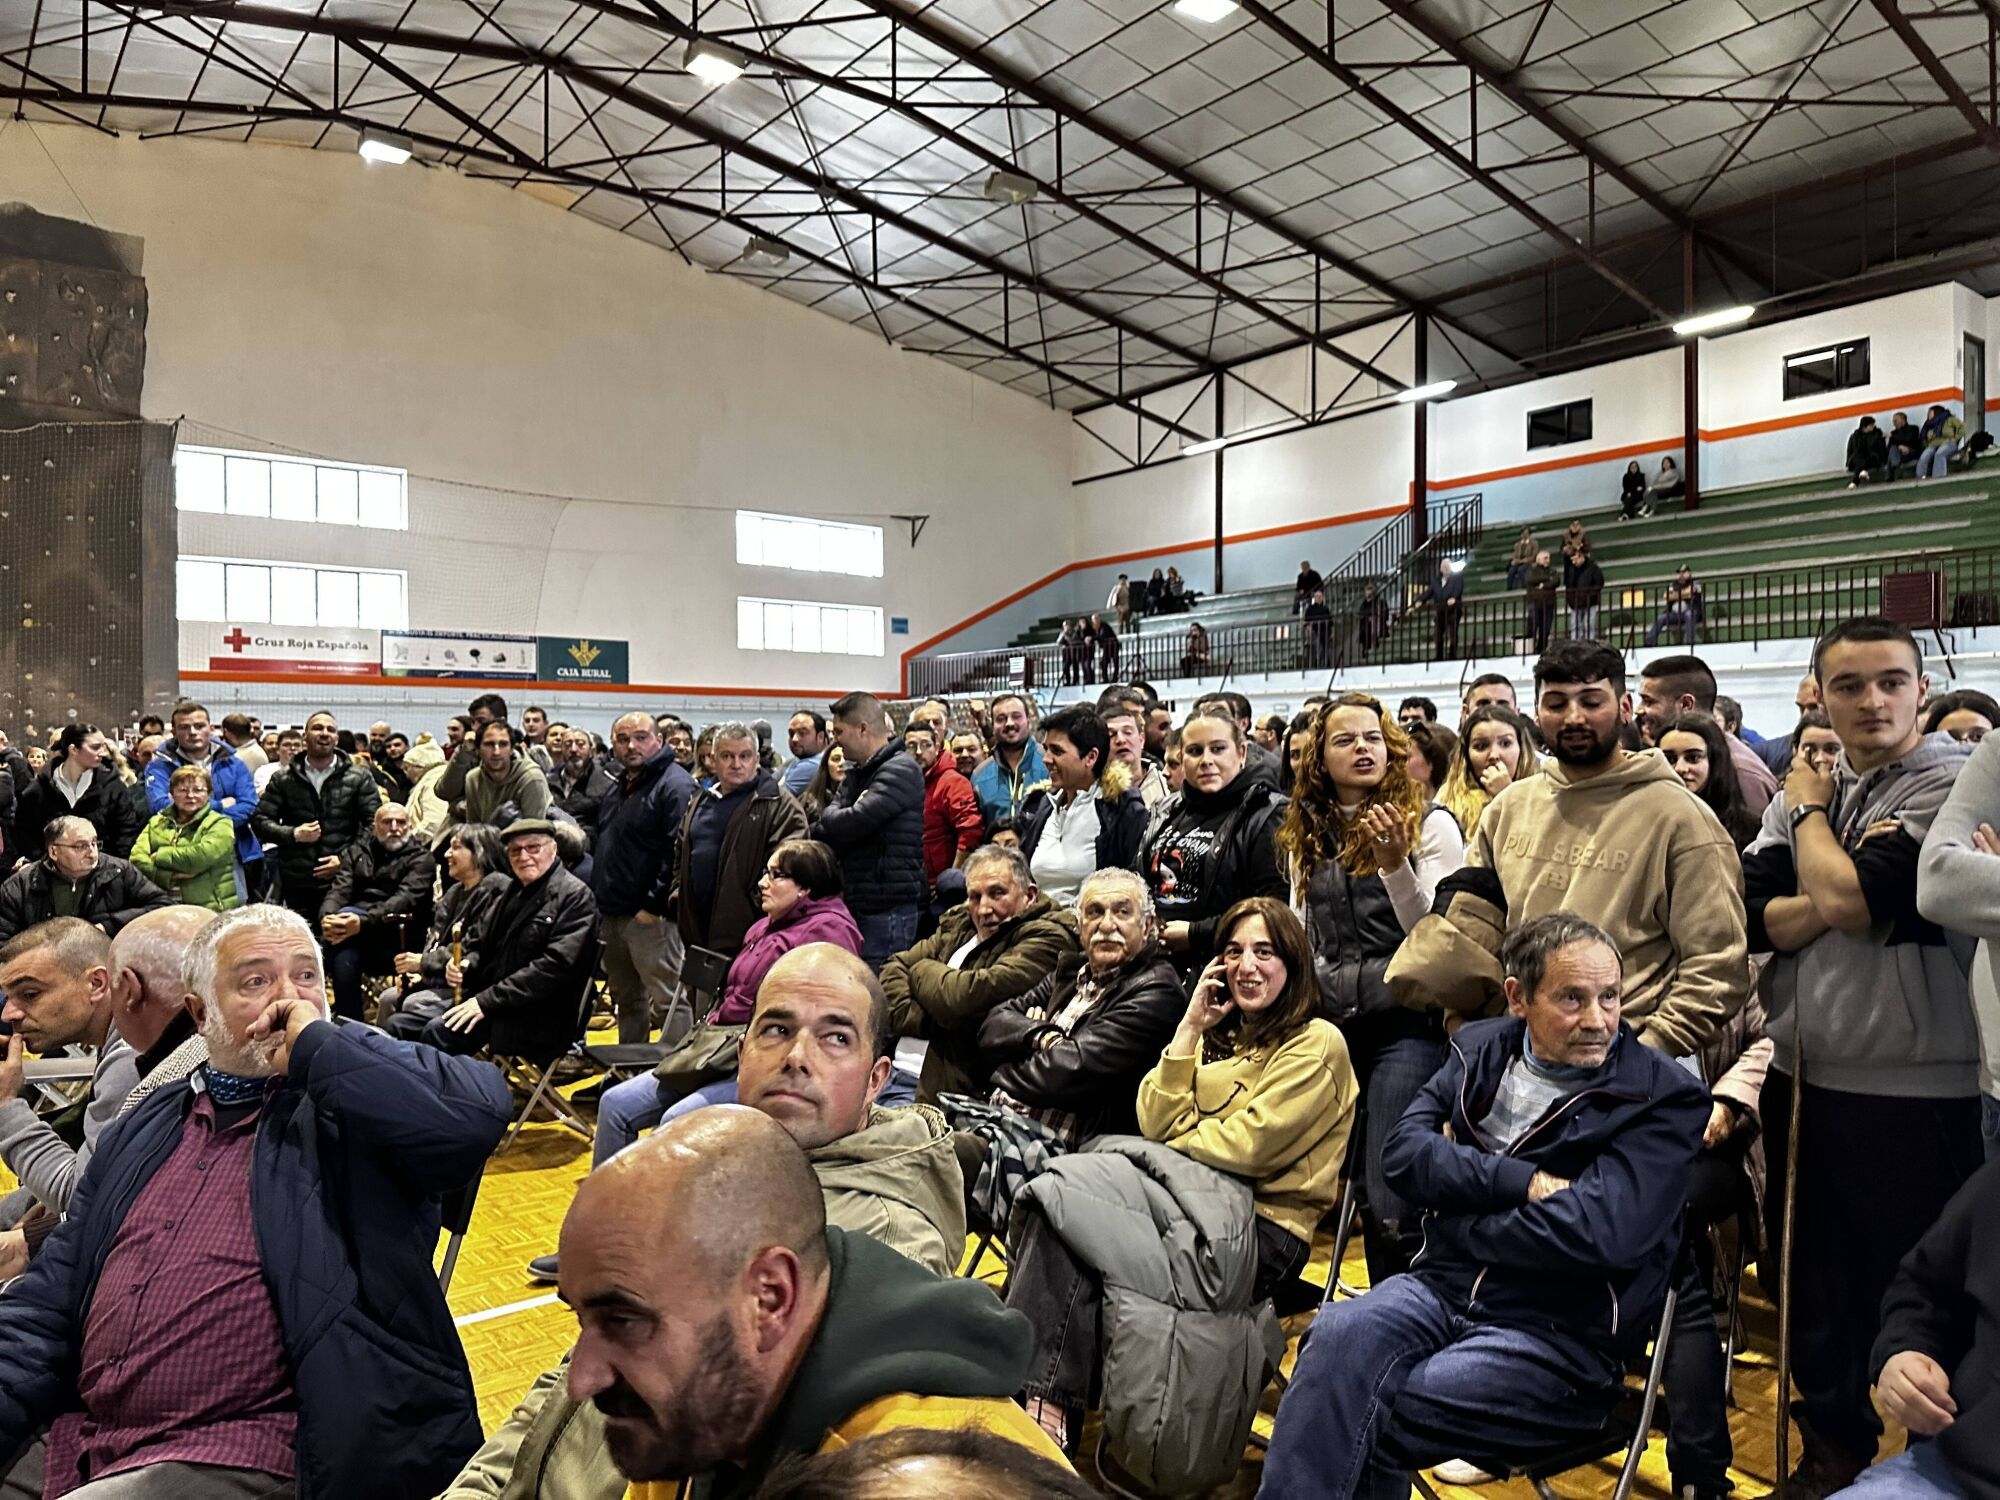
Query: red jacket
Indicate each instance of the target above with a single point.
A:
(953, 823)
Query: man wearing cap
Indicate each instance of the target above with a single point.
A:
(1680, 611)
(522, 991)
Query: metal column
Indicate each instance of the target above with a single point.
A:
(1420, 472)
(1219, 452)
(1690, 382)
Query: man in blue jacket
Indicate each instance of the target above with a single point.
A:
(632, 875)
(875, 824)
(232, 785)
(1016, 766)
(1551, 1156)
(241, 1300)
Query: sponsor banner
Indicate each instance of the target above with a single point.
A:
(206, 646)
(582, 659)
(437, 653)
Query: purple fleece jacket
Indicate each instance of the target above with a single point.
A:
(812, 920)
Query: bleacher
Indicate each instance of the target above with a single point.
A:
(1775, 561)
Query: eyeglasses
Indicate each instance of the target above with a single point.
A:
(772, 872)
(79, 845)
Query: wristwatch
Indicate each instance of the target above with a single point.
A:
(1804, 811)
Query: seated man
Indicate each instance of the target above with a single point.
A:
(149, 1001)
(57, 980)
(1680, 610)
(815, 1059)
(74, 880)
(524, 987)
(724, 1326)
(241, 1301)
(1937, 1358)
(1552, 1153)
(1002, 942)
(381, 894)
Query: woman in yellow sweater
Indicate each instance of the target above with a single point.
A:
(1254, 1084)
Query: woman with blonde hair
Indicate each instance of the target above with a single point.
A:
(189, 850)
(1494, 752)
(1366, 848)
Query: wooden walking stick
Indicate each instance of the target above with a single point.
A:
(458, 961)
(1790, 1219)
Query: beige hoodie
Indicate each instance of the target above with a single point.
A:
(1636, 852)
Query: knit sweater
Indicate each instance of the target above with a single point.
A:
(1278, 1116)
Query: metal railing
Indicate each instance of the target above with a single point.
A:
(1385, 553)
(1736, 607)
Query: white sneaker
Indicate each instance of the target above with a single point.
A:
(1458, 1471)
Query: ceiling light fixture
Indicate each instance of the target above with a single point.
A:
(765, 252)
(1207, 445)
(1427, 392)
(1208, 12)
(712, 62)
(1727, 317)
(386, 147)
(1011, 187)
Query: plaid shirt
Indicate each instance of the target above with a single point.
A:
(183, 1356)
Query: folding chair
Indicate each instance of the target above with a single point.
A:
(519, 1071)
(456, 1216)
(702, 973)
(1626, 1428)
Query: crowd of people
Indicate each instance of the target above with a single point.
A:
(1135, 996)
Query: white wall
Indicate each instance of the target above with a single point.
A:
(580, 412)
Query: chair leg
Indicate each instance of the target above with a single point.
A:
(1733, 1336)
(450, 1265)
(1629, 1473)
(1350, 1202)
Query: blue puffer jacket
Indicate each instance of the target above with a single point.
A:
(352, 1153)
(1592, 1261)
(229, 780)
(638, 838)
(875, 823)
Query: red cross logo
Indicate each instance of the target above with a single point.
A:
(236, 640)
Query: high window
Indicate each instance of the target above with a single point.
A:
(807, 545)
(1553, 426)
(269, 593)
(228, 483)
(1839, 368)
(796, 625)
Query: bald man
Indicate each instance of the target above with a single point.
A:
(723, 1325)
(379, 897)
(149, 997)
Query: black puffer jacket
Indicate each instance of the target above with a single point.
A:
(875, 823)
(1093, 1071)
(1121, 819)
(112, 895)
(638, 838)
(529, 974)
(581, 800)
(384, 883)
(1207, 851)
(343, 807)
(106, 804)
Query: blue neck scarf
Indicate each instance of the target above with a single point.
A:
(230, 1088)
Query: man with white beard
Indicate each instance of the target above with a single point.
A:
(241, 1301)
(380, 896)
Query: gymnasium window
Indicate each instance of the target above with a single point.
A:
(794, 625)
(807, 545)
(269, 593)
(1553, 426)
(1839, 368)
(228, 483)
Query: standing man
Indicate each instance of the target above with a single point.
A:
(464, 753)
(1017, 765)
(1673, 685)
(1306, 585)
(506, 784)
(287, 746)
(240, 734)
(953, 827)
(729, 833)
(1448, 594)
(314, 808)
(875, 824)
(1125, 723)
(1871, 1013)
(1108, 647)
(232, 781)
(580, 782)
(1776, 752)
(632, 871)
(1121, 603)
(806, 734)
(968, 753)
(535, 732)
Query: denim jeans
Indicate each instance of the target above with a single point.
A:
(347, 966)
(1672, 619)
(625, 1109)
(1583, 624)
(1919, 1472)
(884, 934)
(1392, 1070)
(1397, 1380)
(1933, 463)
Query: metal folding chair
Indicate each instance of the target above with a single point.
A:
(456, 1216)
(702, 973)
(542, 1094)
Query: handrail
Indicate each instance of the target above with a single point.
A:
(1382, 555)
(1737, 607)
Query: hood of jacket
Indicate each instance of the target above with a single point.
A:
(1924, 778)
(425, 755)
(829, 912)
(1636, 769)
(903, 1155)
(520, 772)
(219, 750)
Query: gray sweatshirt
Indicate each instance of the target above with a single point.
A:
(33, 1152)
(1958, 887)
(1886, 1010)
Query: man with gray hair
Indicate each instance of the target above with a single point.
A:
(729, 833)
(75, 879)
(1006, 939)
(149, 997)
(241, 1301)
(1552, 1154)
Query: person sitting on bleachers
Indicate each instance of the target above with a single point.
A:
(815, 1061)
(1867, 453)
(1681, 609)
(75, 880)
(1066, 1057)
(524, 987)
(1552, 1152)
(1253, 1084)
(1003, 941)
(1936, 1362)
(1941, 435)
(1905, 445)
(769, 1333)
(1668, 484)
(1632, 492)
(244, 1281)
(381, 892)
